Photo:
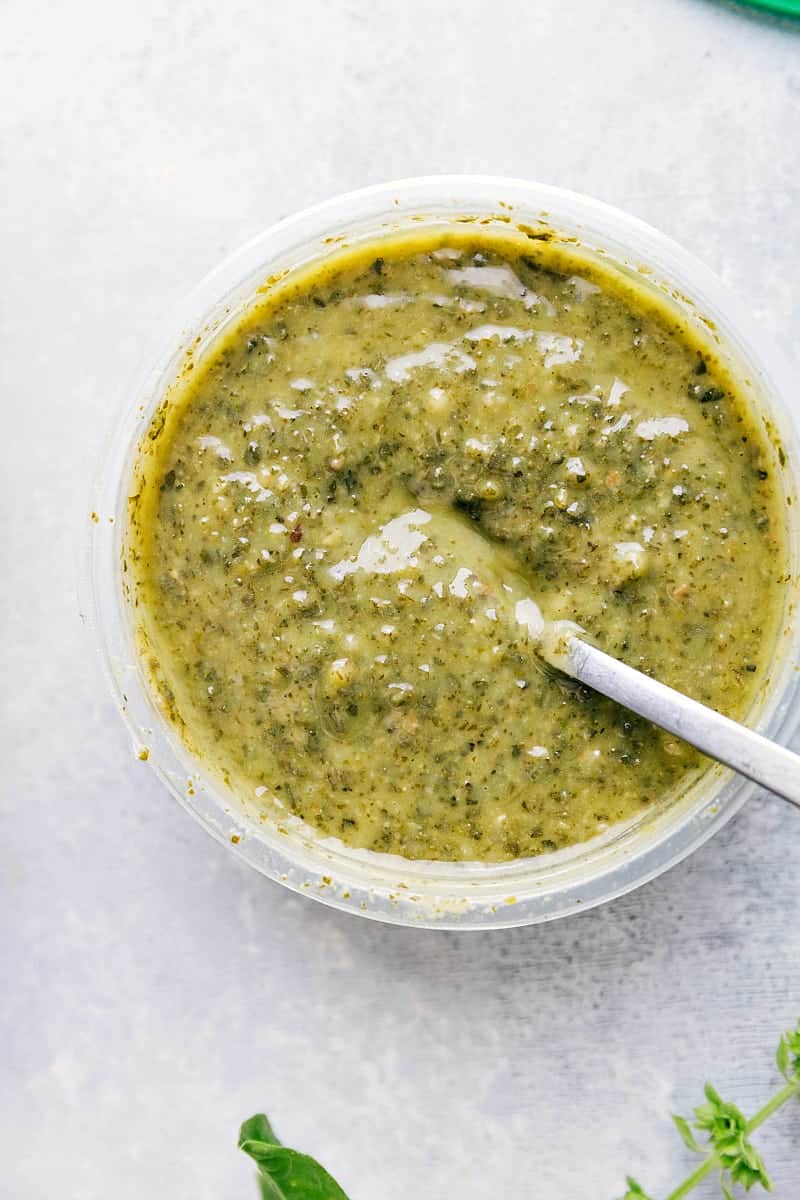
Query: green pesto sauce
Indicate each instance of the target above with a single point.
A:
(335, 659)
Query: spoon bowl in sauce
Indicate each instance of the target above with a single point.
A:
(488, 570)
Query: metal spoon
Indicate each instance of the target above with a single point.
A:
(752, 755)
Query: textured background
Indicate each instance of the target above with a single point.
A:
(155, 991)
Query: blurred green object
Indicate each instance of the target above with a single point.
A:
(786, 8)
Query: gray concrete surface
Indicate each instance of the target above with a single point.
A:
(155, 991)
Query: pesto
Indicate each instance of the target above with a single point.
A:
(331, 659)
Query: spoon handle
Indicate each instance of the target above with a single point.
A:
(747, 752)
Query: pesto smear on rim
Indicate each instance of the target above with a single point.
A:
(337, 505)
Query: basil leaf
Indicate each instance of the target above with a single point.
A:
(268, 1189)
(684, 1129)
(285, 1174)
(258, 1129)
(635, 1190)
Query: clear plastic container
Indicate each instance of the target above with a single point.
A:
(388, 888)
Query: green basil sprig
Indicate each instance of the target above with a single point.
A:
(285, 1174)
